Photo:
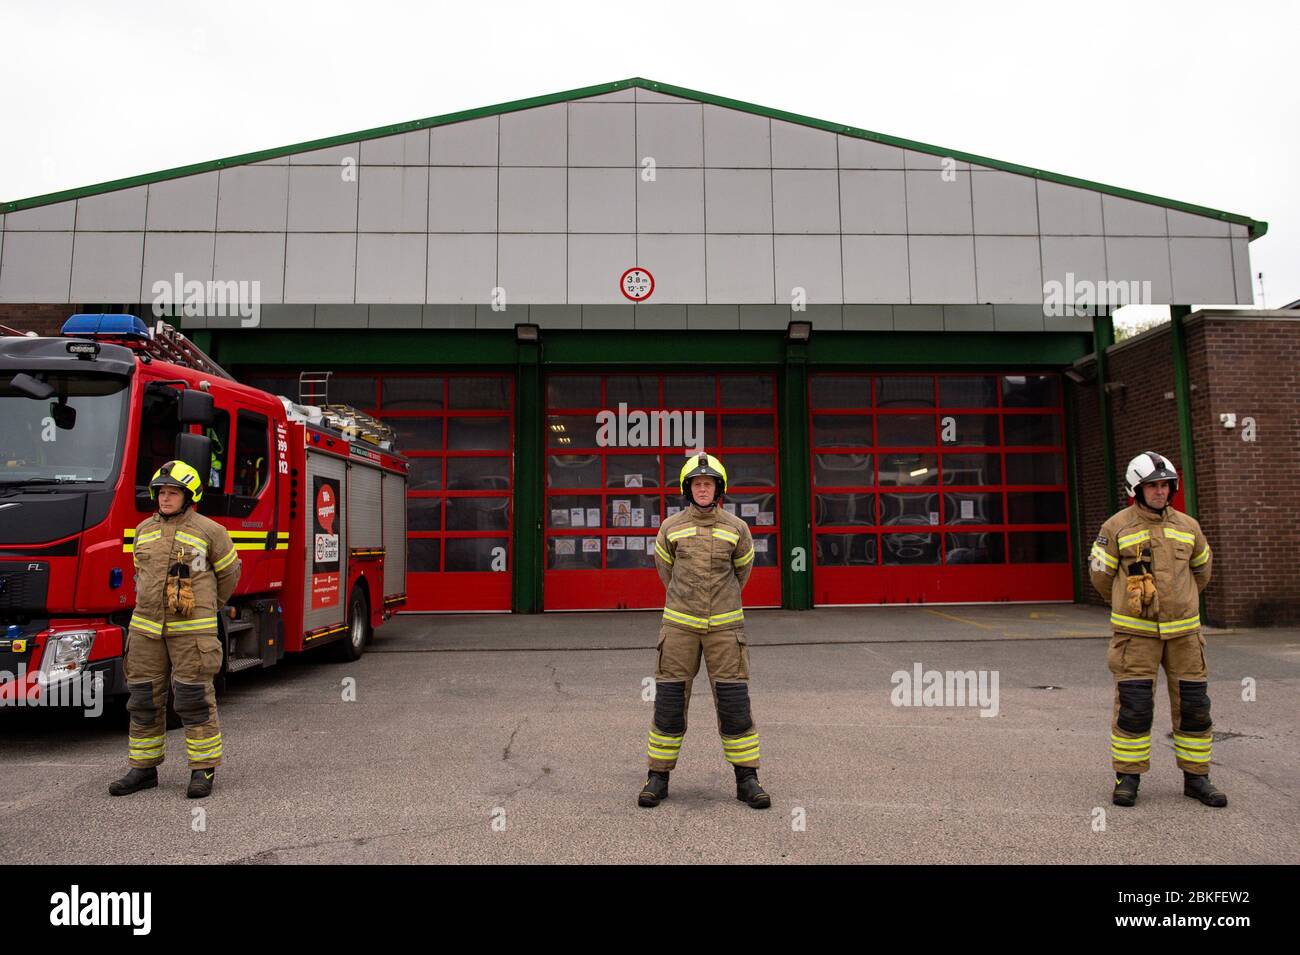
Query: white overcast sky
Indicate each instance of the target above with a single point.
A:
(1194, 101)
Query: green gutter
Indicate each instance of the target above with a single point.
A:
(1256, 228)
(530, 466)
(1103, 336)
(1183, 396)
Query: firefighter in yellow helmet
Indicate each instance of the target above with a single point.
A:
(704, 556)
(1151, 563)
(186, 567)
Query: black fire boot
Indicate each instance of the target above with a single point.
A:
(1126, 789)
(748, 790)
(200, 783)
(654, 791)
(135, 780)
(1200, 787)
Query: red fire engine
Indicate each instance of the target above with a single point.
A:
(314, 498)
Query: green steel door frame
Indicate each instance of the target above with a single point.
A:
(796, 504)
(1103, 336)
(528, 544)
(1072, 489)
(1183, 398)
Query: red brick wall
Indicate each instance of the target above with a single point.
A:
(41, 319)
(1245, 490)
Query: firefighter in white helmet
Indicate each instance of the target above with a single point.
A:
(1151, 563)
(704, 556)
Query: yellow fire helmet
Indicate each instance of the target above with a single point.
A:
(706, 465)
(177, 474)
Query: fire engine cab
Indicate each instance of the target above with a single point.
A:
(313, 496)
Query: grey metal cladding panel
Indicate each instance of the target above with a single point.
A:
(321, 465)
(394, 489)
(364, 506)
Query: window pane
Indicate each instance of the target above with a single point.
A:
(622, 510)
(475, 434)
(909, 509)
(749, 391)
(903, 549)
(639, 391)
(1036, 507)
(417, 434)
(841, 391)
(905, 430)
(689, 391)
(479, 394)
(424, 513)
(983, 508)
(474, 553)
(424, 474)
(1031, 391)
(842, 470)
(974, 548)
(628, 470)
(970, 429)
(747, 431)
(573, 470)
(574, 431)
(478, 514)
(963, 392)
(752, 470)
(843, 550)
(571, 510)
(765, 550)
(1032, 429)
(898, 470)
(412, 394)
(423, 555)
(566, 553)
(359, 392)
(756, 510)
(972, 469)
(901, 392)
(573, 391)
(1038, 547)
(830, 509)
(627, 553)
(478, 474)
(842, 430)
(1035, 469)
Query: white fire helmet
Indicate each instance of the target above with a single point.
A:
(1150, 466)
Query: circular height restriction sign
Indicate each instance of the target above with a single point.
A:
(637, 284)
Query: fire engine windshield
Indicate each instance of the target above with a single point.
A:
(60, 429)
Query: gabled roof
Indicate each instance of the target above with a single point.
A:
(1256, 228)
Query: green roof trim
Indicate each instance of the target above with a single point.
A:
(1256, 228)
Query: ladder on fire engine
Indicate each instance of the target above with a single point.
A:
(168, 344)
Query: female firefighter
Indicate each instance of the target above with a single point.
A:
(185, 569)
(704, 556)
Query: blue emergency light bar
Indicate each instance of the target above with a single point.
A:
(106, 326)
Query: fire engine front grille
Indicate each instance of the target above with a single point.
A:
(23, 585)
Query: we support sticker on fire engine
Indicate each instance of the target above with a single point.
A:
(327, 517)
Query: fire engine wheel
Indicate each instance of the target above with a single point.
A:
(353, 643)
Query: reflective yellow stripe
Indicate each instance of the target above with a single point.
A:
(666, 739)
(1130, 759)
(1183, 536)
(1129, 739)
(1200, 559)
(1178, 626)
(283, 545)
(728, 536)
(740, 742)
(1192, 757)
(727, 617)
(1131, 539)
(1120, 620)
(145, 624)
(747, 757)
(1104, 557)
(148, 537)
(200, 623)
(678, 617)
(684, 532)
(226, 561)
(1190, 742)
(198, 543)
(667, 557)
(742, 561)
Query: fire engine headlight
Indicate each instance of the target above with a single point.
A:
(66, 652)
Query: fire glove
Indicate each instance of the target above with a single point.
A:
(180, 591)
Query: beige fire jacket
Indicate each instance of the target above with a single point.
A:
(214, 566)
(704, 557)
(1180, 562)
